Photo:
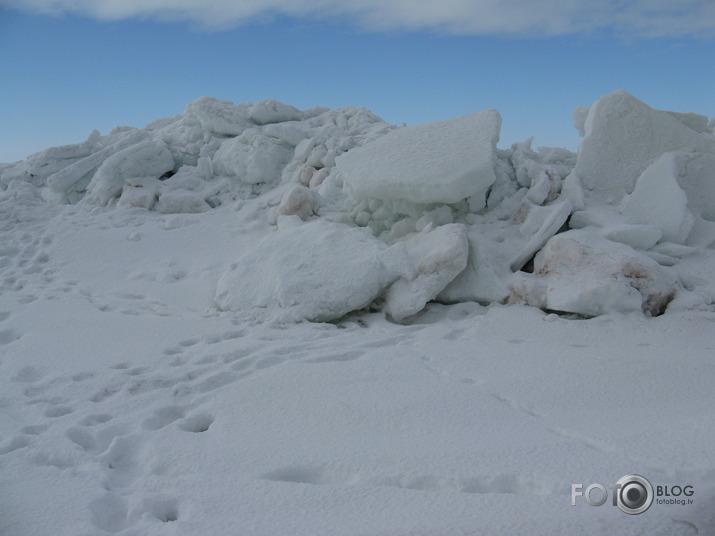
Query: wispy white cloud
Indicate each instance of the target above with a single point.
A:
(644, 18)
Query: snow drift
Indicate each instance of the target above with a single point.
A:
(371, 215)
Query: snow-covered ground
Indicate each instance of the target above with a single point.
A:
(154, 380)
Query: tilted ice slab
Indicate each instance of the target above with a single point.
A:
(440, 162)
(623, 136)
(148, 159)
(696, 175)
(659, 201)
(427, 263)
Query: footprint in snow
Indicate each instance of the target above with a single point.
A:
(82, 376)
(163, 417)
(8, 335)
(109, 513)
(35, 429)
(16, 443)
(197, 423)
(123, 461)
(83, 438)
(337, 358)
(105, 393)
(58, 411)
(28, 375)
(95, 419)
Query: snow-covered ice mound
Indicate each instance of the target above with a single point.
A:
(458, 218)
(318, 271)
(582, 272)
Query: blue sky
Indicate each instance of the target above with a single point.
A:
(67, 67)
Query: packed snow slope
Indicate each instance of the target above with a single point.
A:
(257, 320)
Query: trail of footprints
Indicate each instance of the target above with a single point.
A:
(518, 406)
(85, 428)
(328, 476)
(25, 263)
(26, 267)
(111, 426)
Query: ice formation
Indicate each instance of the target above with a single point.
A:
(317, 271)
(367, 214)
(623, 136)
(426, 264)
(582, 271)
(441, 162)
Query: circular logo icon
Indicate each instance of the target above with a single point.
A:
(635, 494)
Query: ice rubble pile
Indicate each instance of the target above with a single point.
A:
(367, 214)
(197, 160)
